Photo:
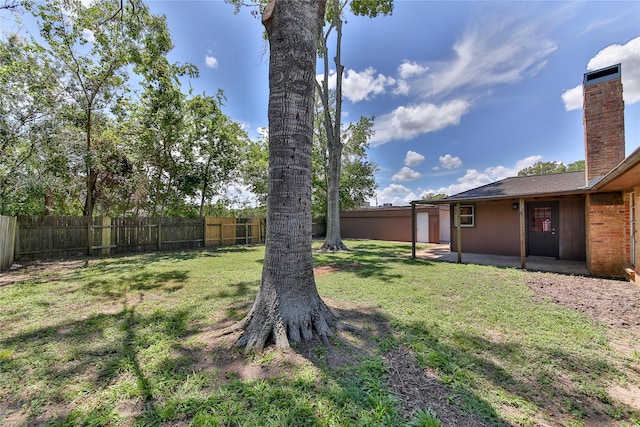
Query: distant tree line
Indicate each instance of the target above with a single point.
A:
(541, 168)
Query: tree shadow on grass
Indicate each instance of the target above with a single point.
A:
(123, 284)
(349, 379)
(104, 354)
(132, 261)
(549, 391)
(367, 260)
(156, 368)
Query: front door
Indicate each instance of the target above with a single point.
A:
(542, 229)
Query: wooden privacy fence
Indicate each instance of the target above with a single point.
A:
(7, 241)
(42, 237)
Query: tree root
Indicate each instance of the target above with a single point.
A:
(334, 246)
(265, 325)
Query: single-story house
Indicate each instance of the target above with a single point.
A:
(394, 223)
(586, 216)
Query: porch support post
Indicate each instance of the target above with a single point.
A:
(459, 232)
(523, 248)
(413, 230)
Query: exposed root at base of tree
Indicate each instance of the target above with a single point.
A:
(334, 247)
(266, 324)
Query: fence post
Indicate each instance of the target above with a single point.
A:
(16, 253)
(159, 219)
(106, 235)
(7, 241)
(89, 234)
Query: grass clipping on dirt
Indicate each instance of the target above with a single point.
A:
(132, 340)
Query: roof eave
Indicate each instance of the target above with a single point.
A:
(505, 197)
(623, 167)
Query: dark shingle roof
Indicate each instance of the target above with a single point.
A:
(526, 186)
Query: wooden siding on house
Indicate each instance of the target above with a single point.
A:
(572, 229)
(497, 229)
(390, 224)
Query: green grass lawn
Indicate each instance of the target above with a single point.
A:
(128, 341)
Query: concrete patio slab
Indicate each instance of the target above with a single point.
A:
(533, 263)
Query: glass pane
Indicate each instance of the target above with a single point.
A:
(466, 210)
(541, 219)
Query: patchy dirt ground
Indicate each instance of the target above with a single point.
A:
(615, 303)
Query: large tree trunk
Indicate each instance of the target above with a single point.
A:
(288, 307)
(89, 201)
(48, 202)
(333, 238)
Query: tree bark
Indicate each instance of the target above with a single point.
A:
(89, 201)
(333, 238)
(288, 307)
(48, 202)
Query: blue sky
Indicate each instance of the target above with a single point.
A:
(464, 92)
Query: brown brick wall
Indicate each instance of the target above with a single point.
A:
(603, 127)
(608, 247)
(635, 261)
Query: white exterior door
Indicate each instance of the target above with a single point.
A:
(422, 226)
(445, 225)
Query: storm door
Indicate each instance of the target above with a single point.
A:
(542, 229)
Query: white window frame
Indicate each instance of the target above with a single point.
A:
(472, 215)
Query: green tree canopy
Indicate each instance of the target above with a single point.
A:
(541, 168)
(76, 138)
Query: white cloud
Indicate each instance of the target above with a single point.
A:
(406, 174)
(413, 159)
(410, 69)
(361, 86)
(332, 79)
(88, 35)
(474, 178)
(402, 88)
(496, 49)
(450, 162)
(409, 122)
(628, 55)
(396, 194)
(211, 61)
(572, 98)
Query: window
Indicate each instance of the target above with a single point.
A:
(541, 219)
(466, 217)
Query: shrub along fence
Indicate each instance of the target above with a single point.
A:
(7, 241)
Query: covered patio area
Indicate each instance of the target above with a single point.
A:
(533, 263)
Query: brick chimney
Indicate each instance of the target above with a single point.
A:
(603, 121)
